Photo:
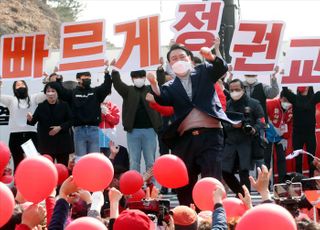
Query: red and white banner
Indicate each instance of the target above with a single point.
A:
(141, 48)
(82, 46)
(23, 55)
(302, 62)
(255, 46)
(197, 23)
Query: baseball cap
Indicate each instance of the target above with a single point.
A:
(133, 219)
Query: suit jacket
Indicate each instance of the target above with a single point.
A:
(204, 97)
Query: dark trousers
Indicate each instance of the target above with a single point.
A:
(163, 148)
(281, 159)
(202, 154)
(61, 158)
(233, 182)
(299, 139)
(15, 142)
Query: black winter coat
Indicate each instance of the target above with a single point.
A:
(47, 115)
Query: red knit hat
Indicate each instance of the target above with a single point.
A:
(184, 218)
(133, 219)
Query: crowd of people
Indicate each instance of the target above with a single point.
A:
(218, 126)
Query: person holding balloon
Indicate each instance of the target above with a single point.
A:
(54, 120)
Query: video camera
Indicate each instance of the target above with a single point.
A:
(153, 208)
(246, 122)
(288, 195)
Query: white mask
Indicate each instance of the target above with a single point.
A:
(169, 70)
(181, 68)
(285, 105)
(251, 80)
(139, 82)
(236, 95)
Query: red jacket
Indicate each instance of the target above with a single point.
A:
(111, 118)
(278, 117)
(165, 111)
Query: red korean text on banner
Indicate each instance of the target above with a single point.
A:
(82, 45)
(255, 46)
(302, 62)
(23, 56)
(197, 24)
(142, 43)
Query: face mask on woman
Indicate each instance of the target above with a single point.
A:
(21, 92)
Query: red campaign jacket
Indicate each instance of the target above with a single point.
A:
(165, 111)
(110, 119)
(278, 117)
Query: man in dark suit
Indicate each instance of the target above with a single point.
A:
(196, 136)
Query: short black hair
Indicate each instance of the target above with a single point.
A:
(235, 81)
(52, 85)
(138, 73)
(83, 74)
(181, 47)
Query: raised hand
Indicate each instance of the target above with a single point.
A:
(246, 199)
(152, 78)
(150, 97)
(207, 54)
(262, 183)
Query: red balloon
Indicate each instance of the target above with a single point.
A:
(130, 182)
(202, 193)
(35, 178)
(137, 196)
(48, 157)
(312, 196)
(93, 172)
(86, 223)
(6, 179)
(170, 171)
(6, 204)
(63, 173)
(4, 156)
(234, 207)
(266, 217)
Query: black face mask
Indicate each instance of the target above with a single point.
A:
(21, 93)
(86, 83)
